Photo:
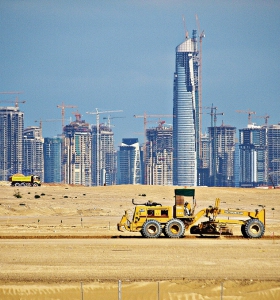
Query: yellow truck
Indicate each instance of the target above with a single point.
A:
(21, 180)
(152, 219)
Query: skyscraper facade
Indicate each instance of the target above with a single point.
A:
(33, 157)
(76, 153)
(52, 160)
(186, 111)
(274, 154)
(129, 164)
(253, 156)
(222, 155)
(11, 137)
(159, 156)
(104, 161)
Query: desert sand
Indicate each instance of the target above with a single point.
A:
(61, 242)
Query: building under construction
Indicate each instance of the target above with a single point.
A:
(76, 153)
(159, 155)
(11, 137)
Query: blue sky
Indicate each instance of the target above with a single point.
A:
(120, 55)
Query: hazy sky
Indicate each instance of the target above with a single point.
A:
(120, 55)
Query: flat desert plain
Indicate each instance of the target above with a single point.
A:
(61, 242)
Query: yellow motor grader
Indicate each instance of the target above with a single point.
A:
(152, 219)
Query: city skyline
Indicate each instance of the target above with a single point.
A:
(121, 57)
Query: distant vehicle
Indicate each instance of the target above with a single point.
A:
(21, 180)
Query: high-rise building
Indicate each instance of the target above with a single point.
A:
(129, 164)
(274, 154)
(52, 160)
(103, 162)
(33, 157)
(159, 156)
(222, 154)
(203, 169)
(186, 113)
(253, 156)
(11, 137)
(76, 153)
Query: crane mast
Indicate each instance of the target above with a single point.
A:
(98, 164)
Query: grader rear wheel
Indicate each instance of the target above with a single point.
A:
(254, 228)
(174, 228)
(151, 229)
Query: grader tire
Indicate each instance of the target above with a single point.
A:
(174, 228)
(243, 231)
(254, 228)
(151, 229)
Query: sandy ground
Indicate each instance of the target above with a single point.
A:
(64, 244)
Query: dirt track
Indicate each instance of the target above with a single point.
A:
(69, 236)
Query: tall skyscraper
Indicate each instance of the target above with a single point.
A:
(274, 154)
(11, 136)
(52, 160)
(253, 156)
(186, 113)
(222, 155)
(76, 153)
(33, 157)
(103, 162)
(159, 156)
(129, 165)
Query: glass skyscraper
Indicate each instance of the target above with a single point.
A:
(11, 136)
(52, 159)
(186, 112)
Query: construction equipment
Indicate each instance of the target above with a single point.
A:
(63, 106)
(152, 219)
(250, 113)
(21, 180)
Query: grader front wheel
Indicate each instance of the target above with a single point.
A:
(151, 229)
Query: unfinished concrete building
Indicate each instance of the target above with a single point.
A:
(11, 133)
(159, 156)
(33, 156)
(76, 153)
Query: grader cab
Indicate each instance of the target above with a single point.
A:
(152, 219)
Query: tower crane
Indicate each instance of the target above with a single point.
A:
(265, 117)
(97, 113)
(16, 101)
(63, 106)
(145, 116)
(213, 115)
(250, 113)
(201, 36)
(109, 118)
(43, 121)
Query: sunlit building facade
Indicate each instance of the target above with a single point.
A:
(186, 113)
